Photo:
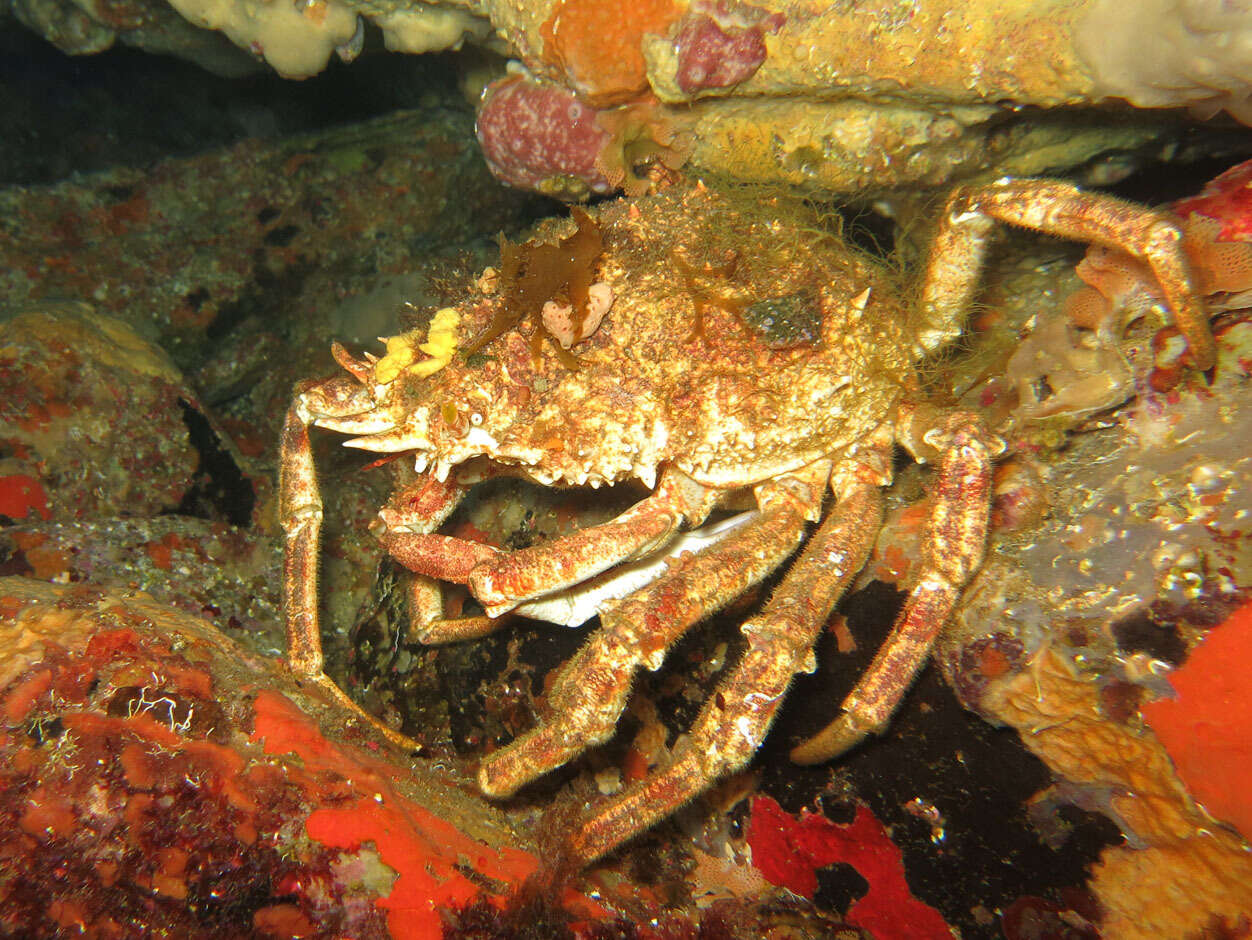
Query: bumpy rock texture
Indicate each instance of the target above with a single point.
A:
(849, 98)
(96, 413)
(155, 773)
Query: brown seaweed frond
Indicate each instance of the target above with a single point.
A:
(533, 273)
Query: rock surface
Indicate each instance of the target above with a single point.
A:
(155, 773)
(845, 99)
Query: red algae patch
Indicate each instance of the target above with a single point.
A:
(22, 495)
(1207, 729)
(788, 851)
(135, 789)
(46, 816)
(19, 701)
(426, 852)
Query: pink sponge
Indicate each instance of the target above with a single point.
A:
(536, 135)
(720, 44)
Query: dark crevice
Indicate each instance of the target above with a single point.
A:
(124, 107)
(869, 230)
(1158, 183)
(266, 294)
(220, 491)
(839, 886)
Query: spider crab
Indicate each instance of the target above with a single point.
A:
(771, 366)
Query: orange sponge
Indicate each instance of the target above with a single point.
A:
(598, 45)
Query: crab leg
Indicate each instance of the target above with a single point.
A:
(737, 716)
(300, 502)
(953, 548)
(300, 515)
(420, 508)
(502, 580)
(1060, 209)
(590, 691)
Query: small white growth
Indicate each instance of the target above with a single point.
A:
(559, 318)
(744, 726)
(478, 438)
